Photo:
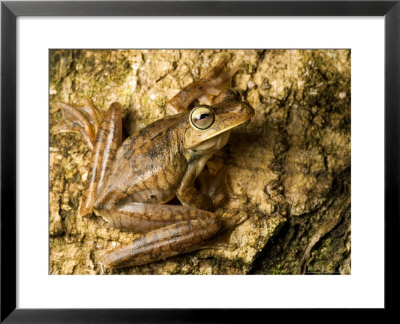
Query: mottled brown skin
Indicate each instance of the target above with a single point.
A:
(130, 183)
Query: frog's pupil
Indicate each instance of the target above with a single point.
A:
(202, 116)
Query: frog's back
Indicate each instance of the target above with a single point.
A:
(148, 166)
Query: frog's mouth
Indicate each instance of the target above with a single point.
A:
(228, 129)
(202, 140)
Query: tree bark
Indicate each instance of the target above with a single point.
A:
(288, 169)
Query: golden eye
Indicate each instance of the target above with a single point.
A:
(202, 117)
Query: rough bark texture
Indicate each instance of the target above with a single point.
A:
(289, 168)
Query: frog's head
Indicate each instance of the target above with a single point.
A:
(209, 126)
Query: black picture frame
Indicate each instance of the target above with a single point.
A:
(10, 10)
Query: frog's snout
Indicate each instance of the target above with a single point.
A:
(247, 110)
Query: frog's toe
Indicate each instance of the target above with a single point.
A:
(231, 222)
(216, 186)
(84, 120)
(219, 243)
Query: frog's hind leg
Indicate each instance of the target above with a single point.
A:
(103, 135)
(174, 230)
(108, 140)
(205, 87)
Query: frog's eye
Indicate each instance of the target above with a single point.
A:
(202, 117)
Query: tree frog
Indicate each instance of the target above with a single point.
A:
(131, 181)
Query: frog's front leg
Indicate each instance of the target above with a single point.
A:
(187, 194)
(174, 230)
